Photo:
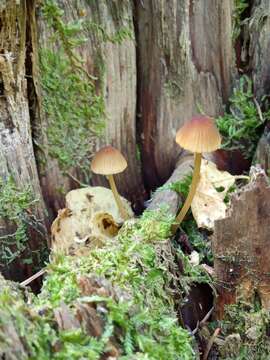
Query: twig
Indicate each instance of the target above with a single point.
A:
(210, 344)
(259, 110)
(33, 277)
(207, 316)
(77, 180)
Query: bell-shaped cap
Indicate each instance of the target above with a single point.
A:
(108, 161)
(199, 135)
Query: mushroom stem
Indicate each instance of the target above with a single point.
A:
(192, 191)
(116, 195)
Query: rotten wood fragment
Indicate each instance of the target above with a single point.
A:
(168, 197)
(262, 155)
(241, 245)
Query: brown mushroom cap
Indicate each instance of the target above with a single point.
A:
(108, 161)
(198, 135)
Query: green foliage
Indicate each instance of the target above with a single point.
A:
(239, 7)
(198, 240)
(192, 273)
(14, 203)
(239, 128)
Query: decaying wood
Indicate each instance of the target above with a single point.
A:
(185, 62)
(262, 155)
(81, 315)
(171, 198)
(258, 52)
(241, 245)
(16, 149)
(113, 64)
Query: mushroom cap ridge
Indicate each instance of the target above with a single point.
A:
(198, 135)
(108, 161)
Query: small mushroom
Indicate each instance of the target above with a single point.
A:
(109, 161)
(198, 135)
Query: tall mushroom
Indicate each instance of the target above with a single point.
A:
(198, 135)
(109, 161)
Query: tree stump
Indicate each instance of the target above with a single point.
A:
(241, 245)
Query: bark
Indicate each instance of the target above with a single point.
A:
(241, 246)
(16, 149)
(171, 198)
(185, 62)
(262, 155)
(257, 36)
(114, 66)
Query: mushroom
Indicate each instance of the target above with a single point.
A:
(198, 135)
(109, 161)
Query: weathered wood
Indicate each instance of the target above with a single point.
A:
(170, 198)
(113, 64)
(262, 154)
(258, 52)
(185, 62)
(241, 245)
(16, 149)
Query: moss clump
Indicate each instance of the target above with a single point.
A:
(240, 127)
(36, 335)
(133, 265)
(15, 204)
(251, 324)
(141, 318)
(75, 111)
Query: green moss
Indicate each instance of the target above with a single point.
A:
(181, 187)
(75, 111)
(240, 127)
(72, 98)
(192, 274)
(142, 319)
(15, 203)
(38, 336)
(124, 32)
(198, 240)
(251, 323)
